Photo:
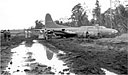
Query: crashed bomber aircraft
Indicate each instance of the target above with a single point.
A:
(92, 30)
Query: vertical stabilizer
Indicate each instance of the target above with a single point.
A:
(49, 23)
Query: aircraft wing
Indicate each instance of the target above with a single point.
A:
(70, 32)
(64, 34)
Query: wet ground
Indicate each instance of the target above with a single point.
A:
(85, 56)
(81, 56)
(5, 50)
(33, 60)
(29, 57)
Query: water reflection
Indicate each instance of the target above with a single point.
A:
(32, 59)
(24, 56)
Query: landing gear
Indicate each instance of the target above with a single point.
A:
(87, 34)
(99, 35)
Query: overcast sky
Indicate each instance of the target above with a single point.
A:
(19, 14)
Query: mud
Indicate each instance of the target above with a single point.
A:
(82, 56)
(39, 69)
(35, 68)
(5, 51)
(85, 56)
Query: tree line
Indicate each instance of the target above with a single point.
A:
(112, 18)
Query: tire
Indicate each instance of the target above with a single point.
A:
(99, 35)
(87, 35)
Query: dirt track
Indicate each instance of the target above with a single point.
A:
(89, 56)
(82, 56)
(5, 50)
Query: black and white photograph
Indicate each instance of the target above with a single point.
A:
(63, 37)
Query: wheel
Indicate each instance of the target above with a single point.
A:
(87, 34)
(99, 35)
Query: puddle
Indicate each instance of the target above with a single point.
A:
(16, 64)
(108, 72)
(32, 60)
(24, 58)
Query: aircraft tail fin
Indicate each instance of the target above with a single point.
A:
(49, 23)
